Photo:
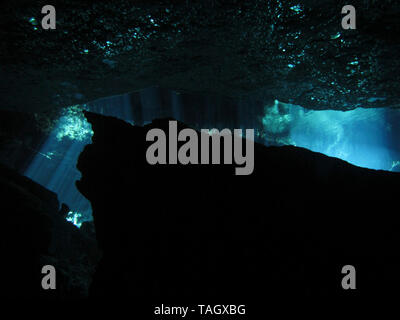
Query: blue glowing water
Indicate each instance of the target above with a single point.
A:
(55, 165)
(363, 137)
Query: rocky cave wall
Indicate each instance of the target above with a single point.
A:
(293, 51)
(34, 233)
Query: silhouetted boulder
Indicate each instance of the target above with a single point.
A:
(198, 232)
(63, 212)
(33, 234)
(88, 228)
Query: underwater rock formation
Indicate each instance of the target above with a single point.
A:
(33, 235)
(293, 51)
(199, 232)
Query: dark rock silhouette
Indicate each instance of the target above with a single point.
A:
(34, 234)
(63, 212)
(186, 233)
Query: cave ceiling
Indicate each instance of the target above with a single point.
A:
(293, 51)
